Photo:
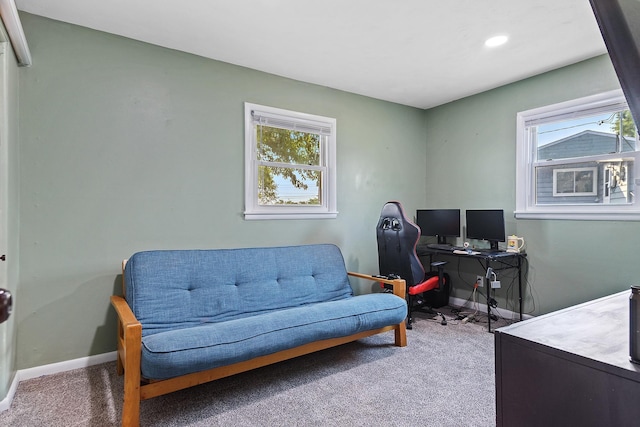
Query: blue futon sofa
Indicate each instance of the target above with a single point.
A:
(192, 316)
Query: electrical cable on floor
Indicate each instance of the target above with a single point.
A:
(473, 315)
(512, 303)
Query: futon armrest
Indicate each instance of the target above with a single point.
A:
(129, 339)
(399, 285)
(124, 312)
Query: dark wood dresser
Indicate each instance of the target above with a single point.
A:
(569, 368)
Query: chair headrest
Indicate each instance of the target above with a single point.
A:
(389, 223)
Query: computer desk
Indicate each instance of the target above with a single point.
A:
(498, 261)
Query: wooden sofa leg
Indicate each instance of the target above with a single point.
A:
(120, 352)
(119, 367)
(131, 363)
(131, 403)
(128, 360)
(401, 335)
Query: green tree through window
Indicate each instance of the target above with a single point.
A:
(628, 125)
(282, 154)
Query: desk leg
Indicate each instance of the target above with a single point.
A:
(488, 296)
(520, 285)
(489, 309)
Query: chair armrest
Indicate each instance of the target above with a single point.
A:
(399, 285)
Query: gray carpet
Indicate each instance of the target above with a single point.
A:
(444, 377)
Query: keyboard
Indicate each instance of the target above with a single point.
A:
(489, 252)
(444, 247)
(465, 252)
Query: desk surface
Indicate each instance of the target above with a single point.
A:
(597, 330)
(424, 249)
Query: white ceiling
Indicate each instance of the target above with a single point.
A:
(421, 53)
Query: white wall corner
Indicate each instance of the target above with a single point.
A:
(6, 402)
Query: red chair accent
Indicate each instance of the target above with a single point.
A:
(427, 285)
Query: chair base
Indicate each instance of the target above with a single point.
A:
(438, 297)
(422, 306)
(426, 302)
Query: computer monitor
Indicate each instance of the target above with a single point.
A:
(486, 224)
(441, 223)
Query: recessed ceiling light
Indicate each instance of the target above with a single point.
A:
(496, 41)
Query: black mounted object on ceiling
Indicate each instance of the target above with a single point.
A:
(619, 22)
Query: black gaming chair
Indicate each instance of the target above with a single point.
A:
(397, 239)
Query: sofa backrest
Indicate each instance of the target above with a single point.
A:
(169, 289)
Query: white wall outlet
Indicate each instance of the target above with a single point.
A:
(480, 280)
(495, 284)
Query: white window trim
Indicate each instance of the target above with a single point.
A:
(254, 211)
(525, 187)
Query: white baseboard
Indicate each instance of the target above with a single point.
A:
(501, 312)
(53, 368)
(68, 365)
(6, 402)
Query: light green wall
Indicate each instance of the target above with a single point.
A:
(471, 164)
(127, 146)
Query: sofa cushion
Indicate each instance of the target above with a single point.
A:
(175, 289)
(182, 351)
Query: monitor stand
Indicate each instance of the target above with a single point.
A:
(442, 240)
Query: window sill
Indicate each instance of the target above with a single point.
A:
(579, 216)
(309, 215)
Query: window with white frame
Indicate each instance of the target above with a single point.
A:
(290, 164)
(578, 160)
